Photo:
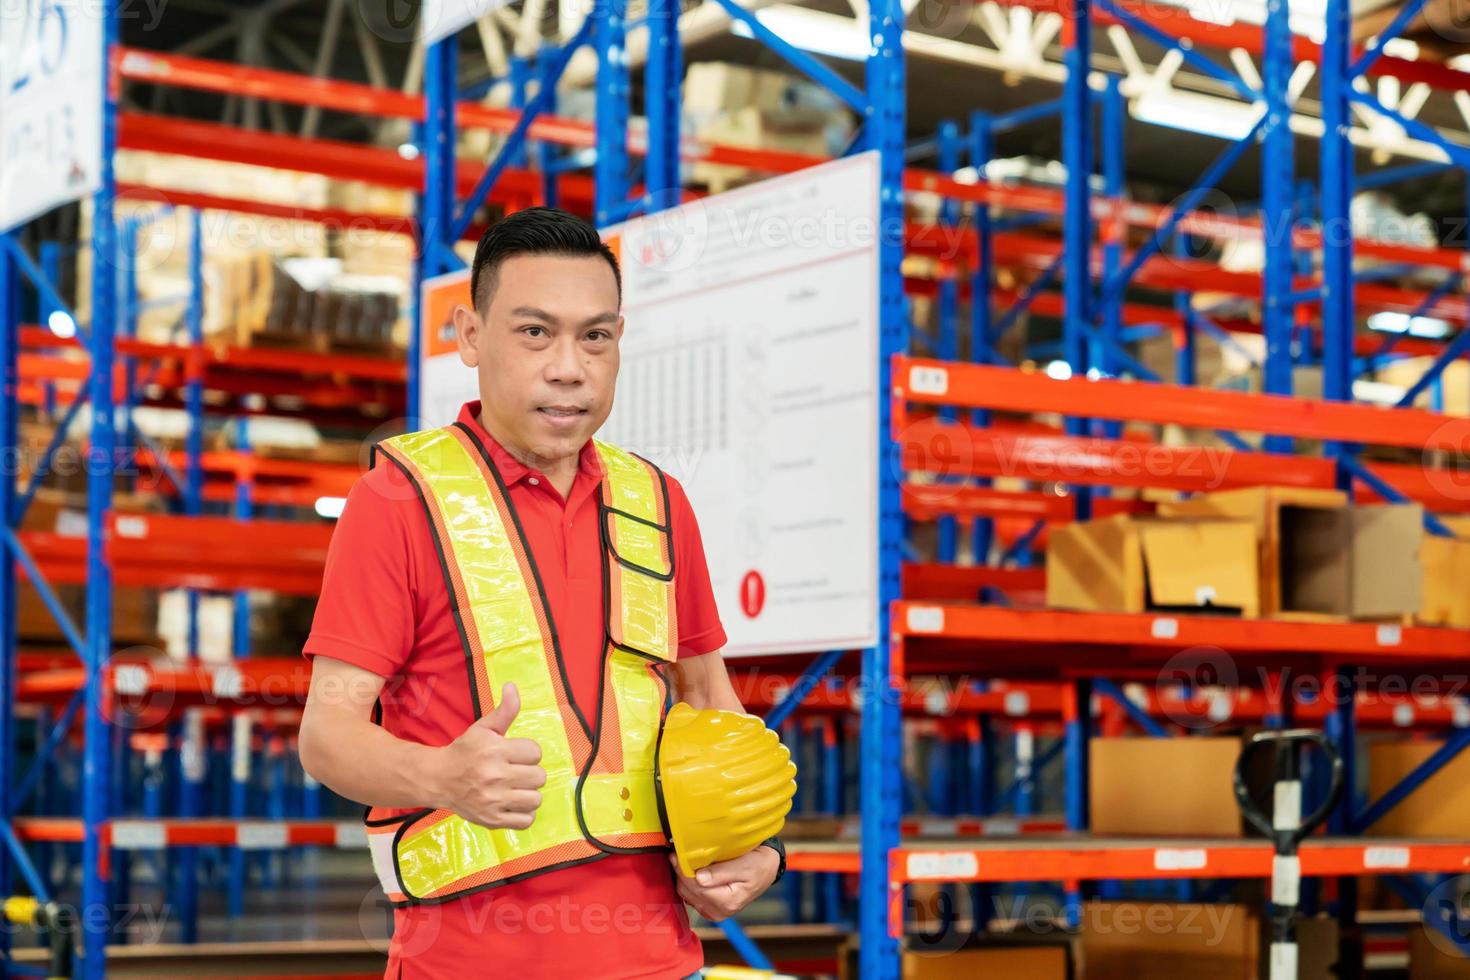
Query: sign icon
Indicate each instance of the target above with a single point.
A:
(752, 594)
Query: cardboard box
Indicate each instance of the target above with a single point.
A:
(1355, 562)
(1446, 563)
(1130, 564)
(1030, 962)
(1272, 512)
(1431, 961)
(1168, 941)
(1197, 799)
(1439, 809)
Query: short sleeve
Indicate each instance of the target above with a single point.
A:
(365, 614)
(700, 629)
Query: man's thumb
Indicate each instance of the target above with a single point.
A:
(505, 711)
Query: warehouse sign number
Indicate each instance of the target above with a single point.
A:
(50, 105)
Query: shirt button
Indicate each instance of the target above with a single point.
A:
(534, 482)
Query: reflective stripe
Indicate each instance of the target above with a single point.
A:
(508, 636)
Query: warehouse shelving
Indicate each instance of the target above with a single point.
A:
(104, 557)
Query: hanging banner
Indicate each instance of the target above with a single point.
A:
(445, 383)
(50, 105)
(750, 374)
(440, 18)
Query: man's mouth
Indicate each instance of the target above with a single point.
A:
(561, 411)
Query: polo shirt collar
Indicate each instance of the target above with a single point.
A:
(512, 470)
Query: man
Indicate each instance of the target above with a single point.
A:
(398, 627)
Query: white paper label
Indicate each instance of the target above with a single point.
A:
(925, 619)
(136, 835)
(1180, 859)
(226, 681)
(1390, 635)
(928, 380)
(258, 836)
(1460, 714)
(1221, 705)
(71, 523)
(936, 703)
(240, 754)
(1000, 827)
(130, 679)
(1164, 628)
(936, 828)
(350, 833)
(131, 526)
(1403, 715)
(1376, 858)
(942, 865)
(1017, 703)
(1286, 880)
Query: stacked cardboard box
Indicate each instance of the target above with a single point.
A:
(751, 107)
(1275, 552)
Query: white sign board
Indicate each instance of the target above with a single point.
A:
(444, 382)
(50, 105)
(750, 373)
(440, 18)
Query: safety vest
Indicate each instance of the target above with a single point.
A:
(599, 796)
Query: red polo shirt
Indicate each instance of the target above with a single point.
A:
(385, 608)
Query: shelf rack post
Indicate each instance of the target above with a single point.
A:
(982, 338)
(9, 431)
(882, 799)
(610, 171)
(1078, 132)
(1277, 224)
(96, 775)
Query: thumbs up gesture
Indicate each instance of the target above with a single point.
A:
(491, 779)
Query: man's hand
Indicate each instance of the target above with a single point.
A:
(724, 888)
(489, 779)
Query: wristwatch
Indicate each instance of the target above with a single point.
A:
(774, 843)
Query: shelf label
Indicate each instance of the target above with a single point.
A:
(936, 703)
(1390, 634)
(138, 835)
(937, 828)
(258, 835)
(1460, 714)
(130, 679)
(226, 681)
(925, 619)
(1164, 628)
(1017, 703)
(1403, 715)
(928, 380)
(928, 865)
(1180, 859)
(1000, 827)
(131, 526)
(351, 833)
(1379, 858)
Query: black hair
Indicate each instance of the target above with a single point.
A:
(535, 231)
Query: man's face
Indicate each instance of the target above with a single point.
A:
(546, 352)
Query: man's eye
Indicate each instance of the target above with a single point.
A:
(598, 335)
(534, 331)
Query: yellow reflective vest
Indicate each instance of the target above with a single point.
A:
(599, 796)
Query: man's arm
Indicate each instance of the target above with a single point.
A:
(703, 682)
(482, 775)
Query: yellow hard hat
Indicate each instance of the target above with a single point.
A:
(725, 782)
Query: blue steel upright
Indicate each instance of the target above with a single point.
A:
(610, 171)
(96, 775)
(9, 429)
(1078, 132)
(1277, 191)
(881, 732)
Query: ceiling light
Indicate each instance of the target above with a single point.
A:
(1204, 114)
(330, 507)
(1417, 326)
(62, 324)
(1059, 370)
(812, 31)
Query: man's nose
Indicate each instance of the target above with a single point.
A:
(565, 365)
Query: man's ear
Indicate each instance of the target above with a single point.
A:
(467, 327)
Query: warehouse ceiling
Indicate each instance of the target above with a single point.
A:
(372, 41)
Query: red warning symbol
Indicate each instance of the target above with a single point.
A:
(752, 594)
